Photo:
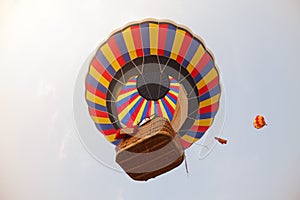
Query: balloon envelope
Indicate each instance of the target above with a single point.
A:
(259, 122)
(136, 72)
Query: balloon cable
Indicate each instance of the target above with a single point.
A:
(202, 145)
(186, 165)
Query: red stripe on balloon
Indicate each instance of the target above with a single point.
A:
(136, 35)
(184, 47)
(168, 105)
(158, 108)
(107, 76)
(194, 73)
(185, 144)
(162, 38)
(108, 132)
(203, 62)
(127, 90)
(116, 51)
(98, 113)
(207, 109)
(172, 95)
(95, 91)
(126, 103)
(135, 113)
(98, 66)
(199, 128)
(209, 86)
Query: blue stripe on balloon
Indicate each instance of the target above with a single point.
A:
(126, 118)
(156, 107)
(164, 102)
(96, 106)
(207, 68)
(145, 38)
(214, 91)
(171, 98)
(129, 86)
(169, 40)
(116, 142)
(111, 70)
(132, 110)
(174, 89)
(126, 57)
(173, 80)
(126, 99)
(102, 59)
(121, 43)
(95, 83)
(198, 78)
(194, 134)
(146, 110)
(122, 46)
(204, 115)
(104, 126)
(191, 52)
(185, 63)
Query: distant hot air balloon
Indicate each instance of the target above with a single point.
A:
(221, 140)
(259, 122)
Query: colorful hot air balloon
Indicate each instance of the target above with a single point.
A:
(152, 68)
(141, 69)
(137, 72)
(259, 122)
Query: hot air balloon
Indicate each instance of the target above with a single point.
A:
(221, 140)
(259, 122)
(152, 67)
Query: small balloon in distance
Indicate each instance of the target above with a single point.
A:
(259, 122)
(221, 140)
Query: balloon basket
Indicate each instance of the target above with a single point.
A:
(153, 150)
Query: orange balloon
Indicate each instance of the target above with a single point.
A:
(259, 122)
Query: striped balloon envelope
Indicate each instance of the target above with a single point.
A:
(259, 122)
(143, 69)
(132, 107)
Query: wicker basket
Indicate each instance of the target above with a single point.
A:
(152, 151)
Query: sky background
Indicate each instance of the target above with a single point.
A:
(43, 47)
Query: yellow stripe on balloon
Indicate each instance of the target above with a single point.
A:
(196, 58)
(94, 73)
(189, 139)
(178, 39)
(203, 122)
(101, 120)
(163, 110)
(126, 110)
(111, 137)
(209, 101)
(127, 35)
(91, 97)
(110, 57)
(152, 107)
(170, 101)
(97, 76)
(153, 31)
(122, 96)
(173, 92)
(129, 83)
(207, 78)
(140, 112)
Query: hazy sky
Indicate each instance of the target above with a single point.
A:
(43, 46)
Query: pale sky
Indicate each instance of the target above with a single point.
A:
(43, 48)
